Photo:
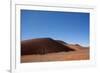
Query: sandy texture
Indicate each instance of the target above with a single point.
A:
(48, 49)
(80, 54)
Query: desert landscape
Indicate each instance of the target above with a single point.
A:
(48, 49)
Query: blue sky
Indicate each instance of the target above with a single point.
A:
(71, 27)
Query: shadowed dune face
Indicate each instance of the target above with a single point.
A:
(42, 46)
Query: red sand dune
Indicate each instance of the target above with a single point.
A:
(47, 49)
(42, 46)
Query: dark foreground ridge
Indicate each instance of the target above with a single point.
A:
(42, 46)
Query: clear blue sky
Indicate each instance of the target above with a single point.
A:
(71, 27)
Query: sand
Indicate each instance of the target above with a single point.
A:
(48, 49)
(79, 54)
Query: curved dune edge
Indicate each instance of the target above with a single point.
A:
(61, 56)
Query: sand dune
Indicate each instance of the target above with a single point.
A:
(47, 49)
(42, 46)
